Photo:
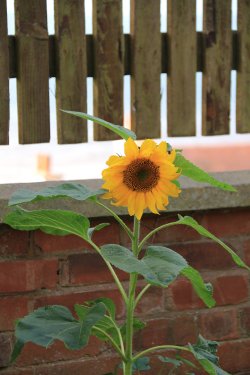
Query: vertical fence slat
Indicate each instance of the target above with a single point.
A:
(218, 60)
(182, 67)
(32, 71)
(146, 68)
(71, 70)
(108, 72)
(4, 76)
(243, 74)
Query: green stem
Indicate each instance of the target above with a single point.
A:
(120, 221)
(150, 234)
(117, 281)
(154, 348)
(116, 347)
(131, 305)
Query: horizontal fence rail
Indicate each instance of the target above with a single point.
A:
(32, 56)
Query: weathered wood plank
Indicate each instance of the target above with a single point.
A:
(182, 67)
(217, 69)
(4, 76)
(32, 71)
(243, 74)
(71, 70)
(145, 68)
(108, 58)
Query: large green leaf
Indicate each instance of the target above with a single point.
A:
(120, 130)
(202, 290)
(57, 222)
(190, 170)
(105, 325)
(67, 190)
(50, 323)
(205, 353)
(187, 220)
(160, 265)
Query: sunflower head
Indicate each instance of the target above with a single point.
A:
(143, 178)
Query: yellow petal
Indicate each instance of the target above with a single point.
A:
(150, 202)
(131, 149)
(147, 148)
(139, 205)
(131, 203)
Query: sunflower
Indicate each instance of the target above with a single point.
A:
(142, 178)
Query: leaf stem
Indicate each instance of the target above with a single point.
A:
(154, 348)
(118, 219)
(150, 234)
(121, 353)
(142, 293)
(117, 281)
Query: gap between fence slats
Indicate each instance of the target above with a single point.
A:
(243, 76)
(71, 70)
(4, 76)
(182, 67)
(108, 65)
(217, 70)
(33, 71)
(145, 68)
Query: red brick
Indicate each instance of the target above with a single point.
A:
(156, 332)
(89, 366)
(70, 299)
(151, 302)
(204, 255)
(183, 296)
(61, 244)
(231, 289)
(90, 268)
(12, 308)
(13, 242)
(219, 324)
(33, 354)
(246, 249)
(58, 244)
(227, 223)
(6, 348)
(175, 330)
(28, 275)
(168, 235)
(245, 320)
(234, 356)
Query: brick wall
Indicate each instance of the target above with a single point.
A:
(37, 269)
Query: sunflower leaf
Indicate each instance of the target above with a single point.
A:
(160, 265)
(56, 222)
(47, 324)
(205, 353)
(195, 173)
(119, 130)
(202, 290)
(187, 220)
(67, 190)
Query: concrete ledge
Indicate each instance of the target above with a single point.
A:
(194, 196)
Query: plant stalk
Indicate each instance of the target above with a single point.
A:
(128, 365)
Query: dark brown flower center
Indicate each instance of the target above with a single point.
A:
(141, 175)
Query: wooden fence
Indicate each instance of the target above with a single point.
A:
(32, 56)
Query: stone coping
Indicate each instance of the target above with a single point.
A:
(194, 196)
